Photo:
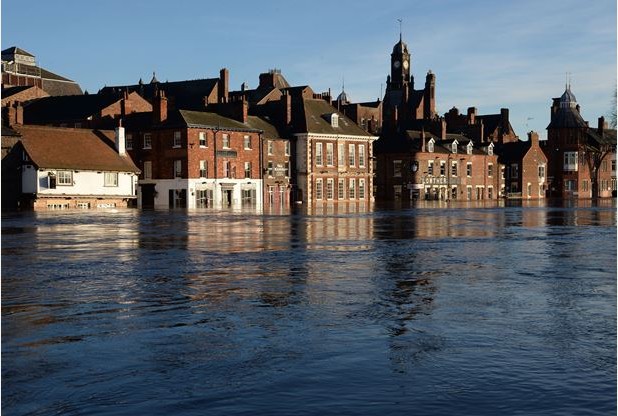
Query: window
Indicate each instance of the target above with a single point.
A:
(176, 139)
(341, 189)
(490, 149)
(147, 141)
(318, 189)
(226, 141)
(490, 170)
(341, 154)
(490, 192)
(361, 189)
(288, 172)
(442, 168)
(129, 141)
(352, 188)
(361, 156)
(529, 190)
(248, 170)
(287, 148)
(330, 188)
(270, 147)
(110, 179)
(270, 168)
(64, 177)
(227, 169)
(541, 173)
(430, 147)
(501, 172)
(203, 169)
(570, 185)
(203, 141)
(147, 170)
(430, 167)
(570, 161)
(613, 165)
(352, 155)
(397, 168)
(469, 193)
(585, 185)
(454, 147)
(454, 170)
(454, 192)
(604, 166)
(177, 168)
(318, 154)
(329, 154)
(247, 142)
(514, 171)
(334, 120)
(468, 169)
(469, 148)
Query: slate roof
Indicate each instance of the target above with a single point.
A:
(566, 118)
(14, 50)
(314, 119)
(607, 139)
(66, 107)
(8, 132)
(213, 120)
(7, 92)
(188, 95)
(79, 149)
(269, 130)
(410, 141)
(513, 151)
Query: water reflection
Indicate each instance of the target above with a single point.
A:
(444, 308)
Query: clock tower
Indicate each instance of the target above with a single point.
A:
(400, 65)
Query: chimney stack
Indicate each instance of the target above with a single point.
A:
(286, 109)
(471, 115)
(224, 81)
(120, 139)
(533, 138)
(159, 109)
(602, 126)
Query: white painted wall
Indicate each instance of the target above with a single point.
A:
(163, 186)
(84, 183)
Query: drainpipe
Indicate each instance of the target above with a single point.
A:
(261, 165)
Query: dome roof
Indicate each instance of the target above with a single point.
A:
(568, 98)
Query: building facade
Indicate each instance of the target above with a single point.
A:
(582, 159)
(74, 168)
(525, 168)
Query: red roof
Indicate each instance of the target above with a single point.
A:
(64, 148)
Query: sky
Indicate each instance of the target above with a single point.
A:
(485, 54)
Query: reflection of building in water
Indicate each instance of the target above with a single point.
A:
(219, 232)
(338, 227)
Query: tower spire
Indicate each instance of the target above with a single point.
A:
(400, 37)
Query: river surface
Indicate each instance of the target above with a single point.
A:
(434, 309)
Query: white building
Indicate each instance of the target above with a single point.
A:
(75, 168)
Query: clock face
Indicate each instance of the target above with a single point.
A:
(405, 64)
(396, 64)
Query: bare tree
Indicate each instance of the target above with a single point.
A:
(612, 111)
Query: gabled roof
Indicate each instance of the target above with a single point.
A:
(79, 149)
(261, 123)
(8, 132)
(187, 95)
(314, 120)
(67, 107)
(607, 139)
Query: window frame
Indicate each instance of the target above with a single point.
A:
(114, 179)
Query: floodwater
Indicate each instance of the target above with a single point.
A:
(434, 309)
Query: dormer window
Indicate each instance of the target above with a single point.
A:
(430, 144)
(469, 148)
(454, 147)
(490, 149)
(334, 120)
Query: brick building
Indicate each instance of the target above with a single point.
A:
(421, 165)
(196, 159)
(19, 69)
(582, 159)
(525, 168)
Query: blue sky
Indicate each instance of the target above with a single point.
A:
(487, 54)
